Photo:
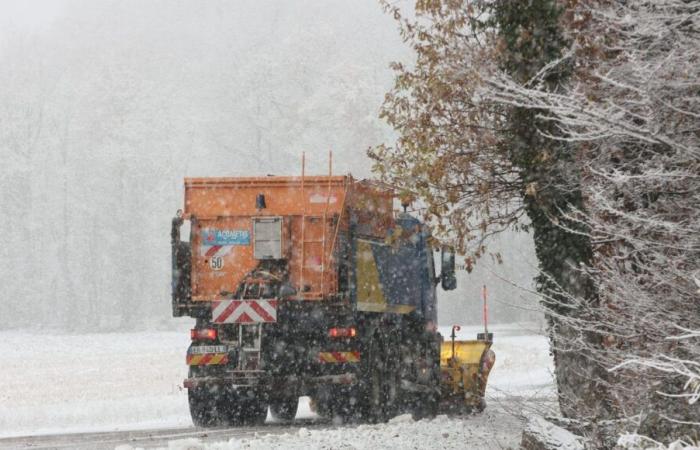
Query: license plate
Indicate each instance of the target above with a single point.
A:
(201, 349)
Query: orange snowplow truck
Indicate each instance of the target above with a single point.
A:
(305, 286)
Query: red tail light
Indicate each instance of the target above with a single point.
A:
(342, 332)
(203, 334)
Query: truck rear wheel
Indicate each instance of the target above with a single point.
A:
(243, 408)
(204, 407)
(372, 393)
(284, 408)
(425, 406)
(380, 386)
(336, 403)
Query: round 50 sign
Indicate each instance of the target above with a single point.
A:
(216, 262)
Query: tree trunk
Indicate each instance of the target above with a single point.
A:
(552, 187)
(569, 294)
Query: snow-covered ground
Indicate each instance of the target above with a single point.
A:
(55, 383)
(486, 431)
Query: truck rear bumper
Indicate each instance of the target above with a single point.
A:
(262, 381)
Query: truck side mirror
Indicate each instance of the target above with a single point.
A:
(287, 291)
(447, 269)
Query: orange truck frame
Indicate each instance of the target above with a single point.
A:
(306, 285)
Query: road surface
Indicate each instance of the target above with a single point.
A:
(153, 438)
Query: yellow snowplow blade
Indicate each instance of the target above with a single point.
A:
(466, 352)
(464, 373)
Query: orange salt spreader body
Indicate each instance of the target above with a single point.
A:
(239, 222)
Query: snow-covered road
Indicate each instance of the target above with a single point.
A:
(57, 383)
(492, 429)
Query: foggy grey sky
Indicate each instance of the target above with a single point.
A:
(28, 15)
(106, 105)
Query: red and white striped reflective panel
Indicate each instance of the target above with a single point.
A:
(210, 251)
(244, 311)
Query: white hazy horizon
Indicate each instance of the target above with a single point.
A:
(105, 106)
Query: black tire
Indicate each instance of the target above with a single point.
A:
(337, 403)
(322, 408)
(425, 406)
(284, 408)
(373, 411)
(243, 408)
(393, 395)
(380, 388)
(204, 407)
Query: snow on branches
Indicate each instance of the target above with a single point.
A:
(611, 92)
(632, 115)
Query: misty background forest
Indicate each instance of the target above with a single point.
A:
(105, 108)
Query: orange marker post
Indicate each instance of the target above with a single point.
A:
(486, 311)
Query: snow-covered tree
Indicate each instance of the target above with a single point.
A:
(631, 113)
(583, 115)
(481, 167)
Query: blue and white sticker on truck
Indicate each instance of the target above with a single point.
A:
(217, 243)
(217, 237)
